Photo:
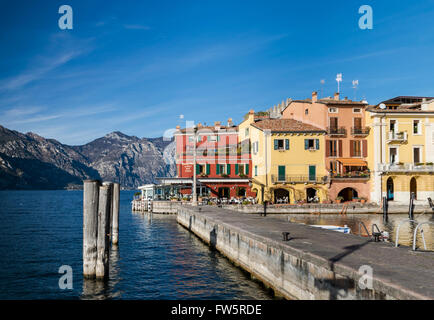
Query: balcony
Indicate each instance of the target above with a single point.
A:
(358, 175)
(359, 131)
(405, 167)
(397, 137)
(297, 179)
(336, 131)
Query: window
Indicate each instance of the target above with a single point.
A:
(256, 171)
(212, 138)
(242, 169)
(358, 123)
(311, 144)
(190, 138)
(357, 110)
(355, 149)
(333, 148)
(306, 111)
(281, 173)
(392, 125)
(393, 155)
(281, 144)
(246, 132)
(333, 110)
(416, 155)
(334, 123)
(416, 127)
(223, 169)
(255, 147)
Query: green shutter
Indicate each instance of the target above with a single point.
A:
(306, 144)
(286, 144)
(247, 169)
(317, 144)
(207, 168)
(256, 171)
(197, 169)
(276, 144)
(228, 167)
(236, 168)
(217, 168)
(281, 173)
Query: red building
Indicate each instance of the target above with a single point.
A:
(223, 166)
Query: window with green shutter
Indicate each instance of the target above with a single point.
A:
(207, 168)
(256, 171)
(281, 173)
(217, 168)
(236, 168)
(317, 144)
(286, 144)
(246, 171)
(228, 169)
(276, 144)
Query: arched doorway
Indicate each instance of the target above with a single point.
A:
(413, 187)
(281, 196)
(348, 194)
(311, 195)
(389, 189)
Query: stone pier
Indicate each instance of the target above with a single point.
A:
(315, 263)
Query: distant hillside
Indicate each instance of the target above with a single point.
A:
(29, 161)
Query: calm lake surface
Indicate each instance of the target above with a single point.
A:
(156, 259)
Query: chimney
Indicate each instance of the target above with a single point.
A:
(337, 96)
(314, 97)
(217, 125)
(199, 125)
(178, 127)
(230, 122)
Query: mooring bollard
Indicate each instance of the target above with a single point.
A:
(385, 210)
(103, 239)
(411, 207)
(90, 226)
(115, 218)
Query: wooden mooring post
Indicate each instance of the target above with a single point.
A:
(90, 227)
(115, 218)
(103, 239)
(385, 210)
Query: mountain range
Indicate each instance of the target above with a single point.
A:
(29, 161)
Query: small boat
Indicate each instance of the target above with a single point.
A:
(344, 229)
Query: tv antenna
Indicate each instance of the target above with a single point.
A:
(355, 84)
(322, 86)
(339, 80)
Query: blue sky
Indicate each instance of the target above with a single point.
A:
(137, 66)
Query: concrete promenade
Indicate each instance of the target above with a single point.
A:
(315, 263)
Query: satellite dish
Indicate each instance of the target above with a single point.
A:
(382, 106)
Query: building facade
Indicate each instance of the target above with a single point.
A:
(346, 144)
(287, 159)
(401, 149)
(221, 169)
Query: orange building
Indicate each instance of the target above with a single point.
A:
(346, 143)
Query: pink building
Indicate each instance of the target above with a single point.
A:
(346, 143)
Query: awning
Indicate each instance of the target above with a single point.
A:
(353, 162)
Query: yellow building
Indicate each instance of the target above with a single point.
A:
(401, 149)
(287, 159)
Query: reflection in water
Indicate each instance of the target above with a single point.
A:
(156, 257)
(353, 221)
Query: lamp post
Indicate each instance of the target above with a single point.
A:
(194, 203)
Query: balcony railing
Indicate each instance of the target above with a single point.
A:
(350, 175)
(337, 131)
(275, 178)
(405, 167)
(397, 136)
(359, 131)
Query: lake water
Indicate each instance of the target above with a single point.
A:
(406, 231)
(157, 258)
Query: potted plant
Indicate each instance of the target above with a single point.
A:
(339, 199)
(362, 200)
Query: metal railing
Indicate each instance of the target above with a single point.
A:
(351, 175)
(361, 223)
(360, 131)
(421, 231)
(337, 131)
(276, 178)
(397, 230)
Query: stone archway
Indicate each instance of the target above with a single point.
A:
(348, 194)
(390, 189)
(312, 195)
(281, 196)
